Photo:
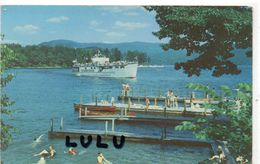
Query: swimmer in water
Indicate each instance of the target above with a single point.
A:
(72, 151)
(41, 161)
(46, 153)
(52, 151)
(37, 140)
(101, 159)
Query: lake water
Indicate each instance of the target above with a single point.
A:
(43, 94)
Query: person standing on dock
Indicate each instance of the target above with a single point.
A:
(112, 101)
(173, 100)
(171, 97)
(147, 103)
(125, 90)
(168, 96)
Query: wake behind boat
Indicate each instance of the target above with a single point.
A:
(101, 67)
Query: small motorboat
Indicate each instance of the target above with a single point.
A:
(100, 108)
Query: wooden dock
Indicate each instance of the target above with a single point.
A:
(144, 139)
(163, 99)
(157, 110)
(74, 133)
(161, 122)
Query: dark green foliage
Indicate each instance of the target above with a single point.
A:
(115, 55)
(7, 58)
(237, 131)
(59, 56)
(211, 32)
(141, 57)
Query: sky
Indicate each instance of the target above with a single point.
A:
(28, 25)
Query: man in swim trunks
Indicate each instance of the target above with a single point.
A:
(52, 151)
(100, 158)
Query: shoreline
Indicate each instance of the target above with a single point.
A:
(56, 67)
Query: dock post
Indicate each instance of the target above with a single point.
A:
(121, 114)
(106, 125)
(96, 101)
(192, 95)
(164, 130)
(51, 127)
(61, 123)
(185, 107)
(162, 133)
(80, 100)
(80, 109)
(176, 103)
(207, 96)
(125, 111)
(129, 103)
(113, 125)
(191, 103)
(164, 111)
(155, 101)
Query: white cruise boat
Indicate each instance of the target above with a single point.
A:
(101, 67)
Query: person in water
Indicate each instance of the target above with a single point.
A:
(72, 151)
(220, 158)
(43, 153)
(46, 153)
(241, 160)
(41, 161)
(101, 159)
(52, 151)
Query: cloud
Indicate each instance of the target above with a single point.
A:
(124, 10)
(131, 13)
(94, 23)
(115, 34)
(57, 19)
(119, 9)
(28, 29)
(100, 30)
(130, 25)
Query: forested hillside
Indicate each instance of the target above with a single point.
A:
(60, 56)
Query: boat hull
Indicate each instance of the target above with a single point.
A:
(77, 108)
(129, 71)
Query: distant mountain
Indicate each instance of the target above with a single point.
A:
(153, 50)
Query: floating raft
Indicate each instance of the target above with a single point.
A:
(144, 139)
(108, 135)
